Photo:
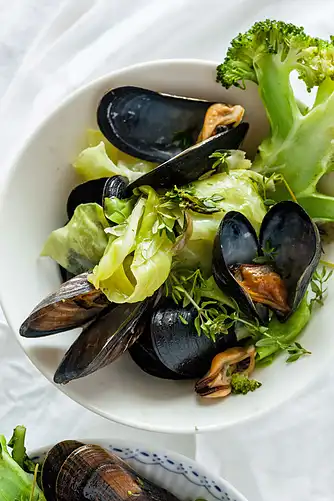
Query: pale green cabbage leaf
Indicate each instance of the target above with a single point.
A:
(80, 244)
(138, 277)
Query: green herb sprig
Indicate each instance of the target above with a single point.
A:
(213, 317)
(220, 160)
(294, 350)
(186, 199)
(268, 184)
(269, 254)
(318, 287)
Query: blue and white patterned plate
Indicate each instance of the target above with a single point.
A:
(185, 478)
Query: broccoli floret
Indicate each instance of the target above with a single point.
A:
(242, 384)
(300, 145)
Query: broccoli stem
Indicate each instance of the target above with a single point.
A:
(307, 151)
(277, 94)
(325, 89)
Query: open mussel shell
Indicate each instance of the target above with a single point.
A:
(104, 340)
(92, 473)
(52, 465)
(191, 163)
(235, 243)
(72, 305)
(295, 240)
(96, 191)
(146, 124)
(175, 350)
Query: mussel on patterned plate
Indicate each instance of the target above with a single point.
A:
(174, 254)
(72, 471)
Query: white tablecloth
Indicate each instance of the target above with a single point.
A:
(47, 49)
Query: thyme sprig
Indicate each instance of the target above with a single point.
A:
(186, 199)
(318, 287)
(213, 317)
(268, 256)
(268, 184)
(294, 350)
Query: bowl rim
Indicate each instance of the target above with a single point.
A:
(177, 457)
(8, 176)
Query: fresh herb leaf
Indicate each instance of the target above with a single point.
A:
(268, 183)
(318, 287)
(213, 317)
(269, 254)
(220, 161)
(294, 350)
(183, 320)
(184, 198)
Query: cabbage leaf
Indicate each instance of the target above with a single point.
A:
(126, 278)
(239, 191)
(80, 244)
(102, 159)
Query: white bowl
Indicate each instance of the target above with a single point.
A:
(183, 477)
(33, 204)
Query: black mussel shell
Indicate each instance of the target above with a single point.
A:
(295, 240)
(290, 239)
(95, 191)
(147, 124)
(193, 162)
(65, 274)
(177, 345)
(92, 473)
(235, 243)
(104, 340)
(74, 304)
(52, 465)
(85, 193)
(115, 187)
(143, 354)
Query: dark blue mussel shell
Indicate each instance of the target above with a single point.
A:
(172, 349)
(288, 230)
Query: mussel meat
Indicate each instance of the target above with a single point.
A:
(156, 127)
(89, 472)
(273, 271)
(74, 304)
(217, 382)
(172, 349)
(104, 340)
(192, 163)
(96, 191)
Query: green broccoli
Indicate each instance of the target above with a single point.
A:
(300, 146)
(242, 384)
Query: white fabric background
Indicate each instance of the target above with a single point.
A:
(47, 49)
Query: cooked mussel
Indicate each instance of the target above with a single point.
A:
(172, 349)
(156, 127)
(96, 191)
(52, 465)
(104, 340)
(273, 271)
(193, 162)
(90, 472)
(217, 382)
(74, 304)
